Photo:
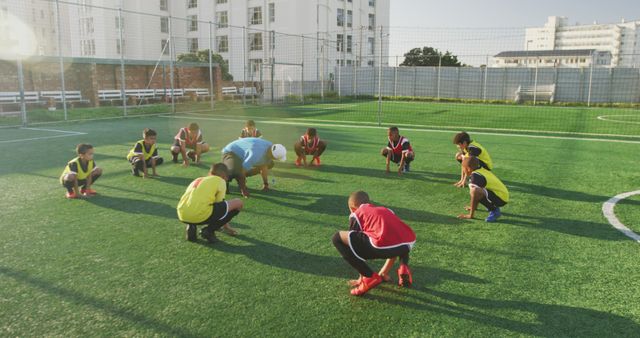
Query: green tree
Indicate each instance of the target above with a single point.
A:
(203, 57)
(429, 56)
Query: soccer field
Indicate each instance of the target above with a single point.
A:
(118, 265)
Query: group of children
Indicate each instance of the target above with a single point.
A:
(375, 232)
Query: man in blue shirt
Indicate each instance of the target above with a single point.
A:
(249, 156)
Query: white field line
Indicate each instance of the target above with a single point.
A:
(608, 119)
(65, 133)
(431, 127)
(351, 126)
(609, 214)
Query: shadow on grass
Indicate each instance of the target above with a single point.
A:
(549, 320)
(296, 176)
(281, 257)
(572, 227)
(134, 206)
(126, 314)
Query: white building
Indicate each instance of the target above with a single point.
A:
(571, 58)
(622, 39)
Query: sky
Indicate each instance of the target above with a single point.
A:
(475, 30)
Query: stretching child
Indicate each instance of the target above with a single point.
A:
(485, 188)
(81, 172)
(144, 154)
(203, 204)
(189, 138)
(398, 151)
(309, 144)
(375, 233)
(468, 147)
(250, 130)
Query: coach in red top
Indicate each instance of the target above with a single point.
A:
(374, 232)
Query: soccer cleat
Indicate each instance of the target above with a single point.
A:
(366, 284)
(298, 162)
(71, 195)
(493, 215)
(316, 161)
(191, 233)
(209, 235)
(192, 156)
(404, 276)
(88, 192)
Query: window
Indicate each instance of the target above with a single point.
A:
(371, 46)
(164, 47)
(192, 23)
(349, 18)
(87, 47)
(349, 43)
(164, 6)
(372, 3)
(272, 12)
(222, 18)
(255, 15)
(372, 21)
(193, 45)
(222, 42)
(340, 43)
(119, 23)
(255, 41)
(340, 17)
(370, 63)
(255, 65)
(192, 3)
(272, 41)
(120, 49)
(221, 1)
(349, 62)
(164, 24)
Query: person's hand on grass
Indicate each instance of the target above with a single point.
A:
(464, 216)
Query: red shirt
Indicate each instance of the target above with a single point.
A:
(188, 137)
(309, 145)
(401, 146)
(383, 227)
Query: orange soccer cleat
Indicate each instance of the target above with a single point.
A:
(316, 161)
(298, 162)
(404, 276)
(366, 284)
(88, 192)
(71, 195)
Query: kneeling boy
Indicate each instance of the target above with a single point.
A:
(309, 144)
(398, 151)
(375, 232)
(485, 188)
(81, 172)
(203, 204)
(144, 154)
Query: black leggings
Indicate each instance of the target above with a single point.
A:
(493, 202)
(137, 163)
(81, 183)
(367, 251)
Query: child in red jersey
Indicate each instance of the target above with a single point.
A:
(375, 233)
(309, 144)
(189, 143)
(398, 151)
(250, 130)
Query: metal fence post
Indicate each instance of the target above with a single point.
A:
(62, 82)
(380, 78)
(23, 105)
(395, 79)
(439, 74)
(212, 95)
(302, 71)
(590, 83)
(122, 71)
(486, 74)
(272, 61)
(171, 64)
(244, 65)
(535, 84)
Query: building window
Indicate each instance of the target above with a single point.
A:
(255, 65)
(88, 47)
(340, 43)
(372, 21)
(372, 3)
(164, 24)
(272, 12)
(371, 46)
(349, 18)
(164, 6)
(255, 15)
(164, 47)
(192, 3)
(119, 23)
(255, 41)
(272, 41)
(340, 17)
(349, 43)
(192, 23)
(120, 49)
(193, 45)
(221, 1)
(222, 18)
(222, 42)
(371, 63)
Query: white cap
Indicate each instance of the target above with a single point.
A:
(279, 152)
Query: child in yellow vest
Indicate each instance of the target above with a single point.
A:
(203, 203)
(485, 188)
(81, 172)
(144, 154)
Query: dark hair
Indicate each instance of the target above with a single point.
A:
(312, 132)
(461, 137)
(82, 148)
(219, 169)
(394, 129)
(149, 132)
(250, 123)
(472, 162)
(194, 126)
(359, 197)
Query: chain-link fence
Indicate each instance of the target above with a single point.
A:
(75, 60)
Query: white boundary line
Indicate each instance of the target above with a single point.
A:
(609, 214)
(452, 128)
(293, 123)
(66, 133)
(606, 118)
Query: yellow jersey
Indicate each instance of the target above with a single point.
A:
(140, 148)
(477, 150)
(74, 166)
(487, 179)
(196, 204)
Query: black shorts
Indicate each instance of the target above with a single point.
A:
(361, 246)
(176, 143)
(493, 198)
(219, 212)
(397, 158)
(134, 160)
(234, 165)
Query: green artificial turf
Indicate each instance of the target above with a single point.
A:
(117, 264)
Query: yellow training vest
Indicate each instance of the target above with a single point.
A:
(80, 175)
(484, 154)
(195, 205)
(147, 155)
(494, 184)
